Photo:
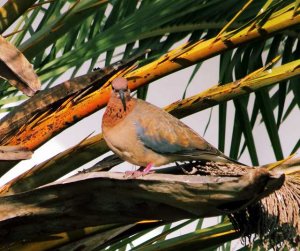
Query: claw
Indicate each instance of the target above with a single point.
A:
(137, 174)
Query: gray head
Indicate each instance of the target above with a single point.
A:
(120, 88)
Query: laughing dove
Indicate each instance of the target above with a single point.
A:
(146, 135)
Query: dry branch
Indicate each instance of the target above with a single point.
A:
(57, 166)
(108, 198)
(47, 101)
(221, 93)
(14, 153)
(16, 69)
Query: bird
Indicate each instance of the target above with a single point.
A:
(146, 135)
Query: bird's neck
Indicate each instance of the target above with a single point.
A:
(114, 112)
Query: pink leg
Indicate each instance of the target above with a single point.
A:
(136, 174)
(148, 168)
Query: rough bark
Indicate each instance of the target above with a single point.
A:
(91, 199)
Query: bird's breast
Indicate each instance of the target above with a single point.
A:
(115, 113)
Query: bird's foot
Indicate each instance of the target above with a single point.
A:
(137, 174)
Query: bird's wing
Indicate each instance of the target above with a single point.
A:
(163, 133)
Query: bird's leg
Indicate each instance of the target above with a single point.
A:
(136, 174)
(148, 168)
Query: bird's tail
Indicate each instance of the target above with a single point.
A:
(217, 156)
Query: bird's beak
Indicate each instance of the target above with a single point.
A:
(122, 96)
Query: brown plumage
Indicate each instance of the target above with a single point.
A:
(144, 134)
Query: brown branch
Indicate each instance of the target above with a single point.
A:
(14, 153)
(16, 69)
(108, 198)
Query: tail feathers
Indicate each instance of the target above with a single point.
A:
(207, 156)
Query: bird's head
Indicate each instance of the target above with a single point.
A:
(120, 89)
